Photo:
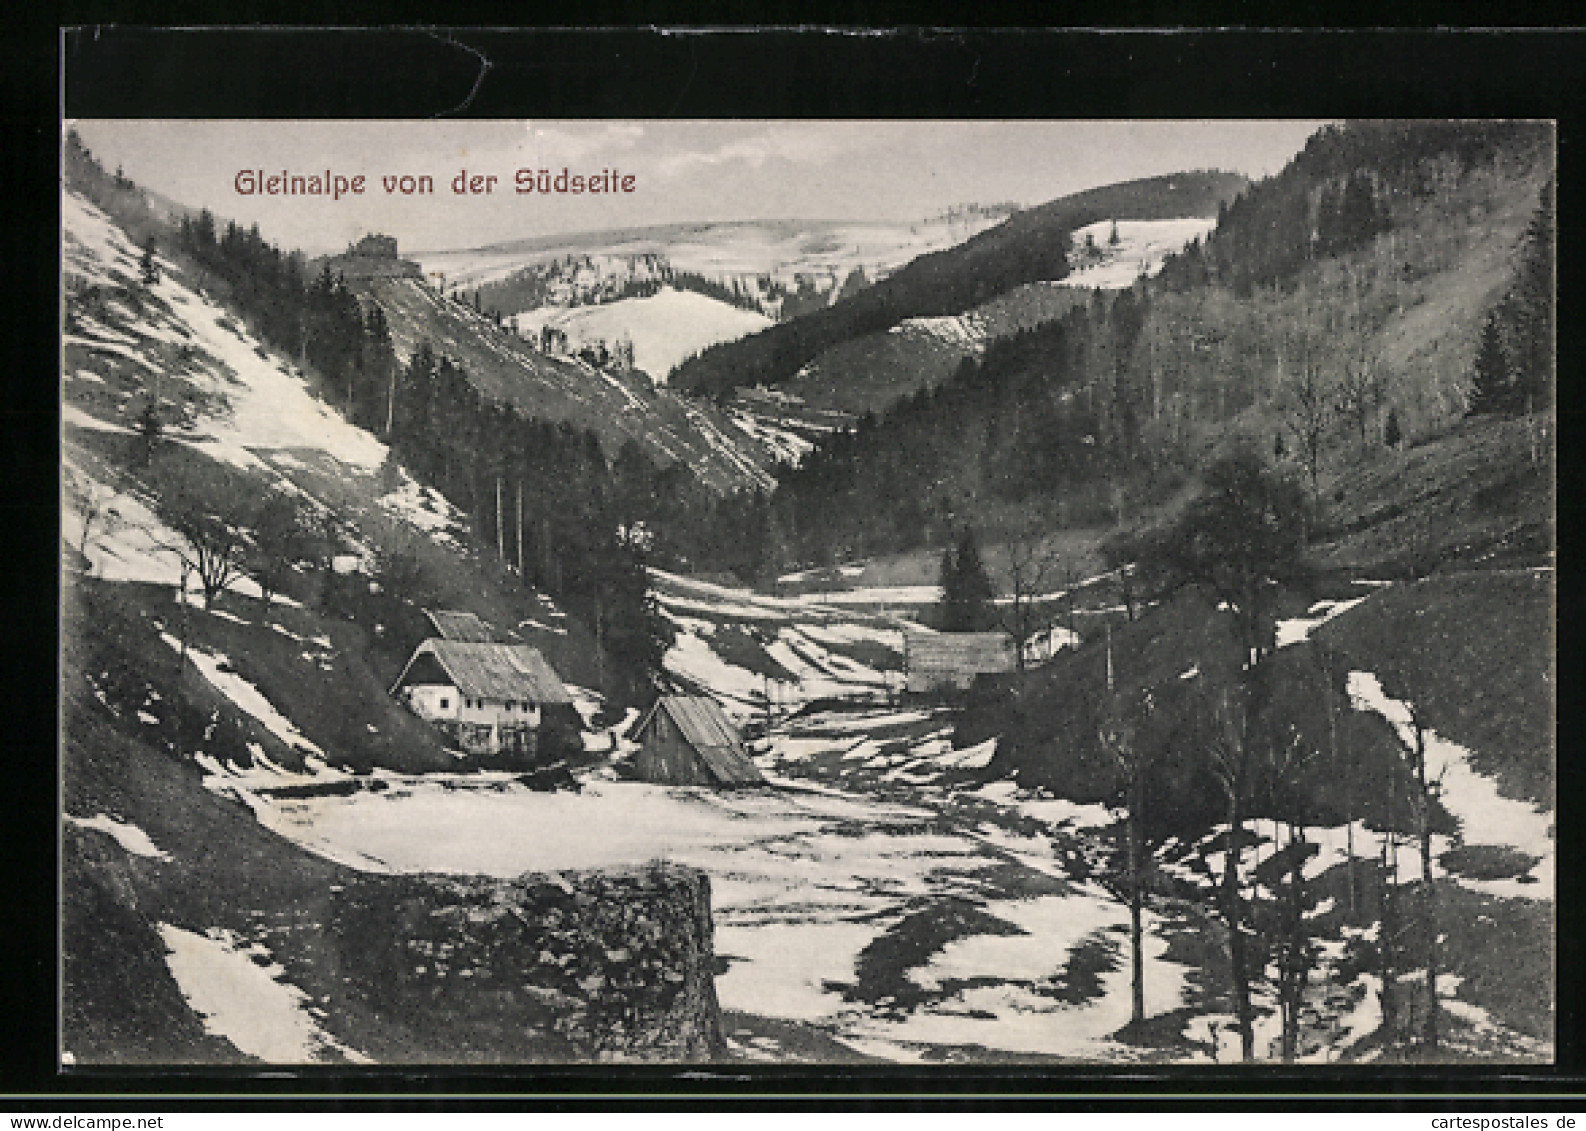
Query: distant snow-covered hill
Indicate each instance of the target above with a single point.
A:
(665, 327)
(825, 251)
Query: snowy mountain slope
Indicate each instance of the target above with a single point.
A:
(1141, 248)
(870, 372)
(231, 398)
(617, 406)
(740, 647)
(664, 328)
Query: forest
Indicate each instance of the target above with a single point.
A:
(1277, 332)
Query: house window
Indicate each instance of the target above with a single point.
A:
(445, 702)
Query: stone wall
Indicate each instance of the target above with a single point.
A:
(575, 967)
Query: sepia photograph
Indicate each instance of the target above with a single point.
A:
(764, 592)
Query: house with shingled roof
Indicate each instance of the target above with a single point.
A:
(687, 740)
(488, 697)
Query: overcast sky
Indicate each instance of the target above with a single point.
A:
(683, 171)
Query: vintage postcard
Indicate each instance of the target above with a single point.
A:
(767, 592)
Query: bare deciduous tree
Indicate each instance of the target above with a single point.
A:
(280, 538)
(1117, 732)
(1310, 407)
(211, 518)
(1032, 564)
(1362, 381)
(94, 505)
(1231, 766)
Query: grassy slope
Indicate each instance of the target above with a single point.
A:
(1471, 498)
(868, 373)
(1473, 651)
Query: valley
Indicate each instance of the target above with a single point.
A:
(1077, 704)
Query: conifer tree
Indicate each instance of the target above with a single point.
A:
(1391, 434)
(966, 589)
(149, 271)
(1491, 390)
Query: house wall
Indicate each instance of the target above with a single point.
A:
(930, 682)
(496, 711)
(425, 701)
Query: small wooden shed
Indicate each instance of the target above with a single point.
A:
(687, 740)
(947, 662)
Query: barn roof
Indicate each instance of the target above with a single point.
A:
(464, 627)
(494, 671)
(712, 735)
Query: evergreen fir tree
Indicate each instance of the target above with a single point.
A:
(149, 270)
(1391, 435)
(966, 588)
(1491, 389)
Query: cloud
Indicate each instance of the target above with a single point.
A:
(552, 143)
(796, 144)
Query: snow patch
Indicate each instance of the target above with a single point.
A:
(128, 836)
(241, 996)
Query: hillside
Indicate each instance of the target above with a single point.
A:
(1345, 814)
(192, 931)
(618, 406)
(1029, 247)
(1105, 412)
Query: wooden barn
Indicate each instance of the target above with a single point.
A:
(489, 698)
(686, 740)
(938, 663)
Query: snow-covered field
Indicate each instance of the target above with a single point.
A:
(665, 328)
(241, 994)
(742, 647)
(1141, 248)
(809, 885)
(1485, 817)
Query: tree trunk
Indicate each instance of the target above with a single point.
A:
(1136, 902)
(1429, 894)
(1349, 787)
(1386, 933)
(390, 402)
(1232, 911)
(501, 546)
(1293, 972)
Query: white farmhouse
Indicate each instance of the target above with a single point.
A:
(488, 697)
